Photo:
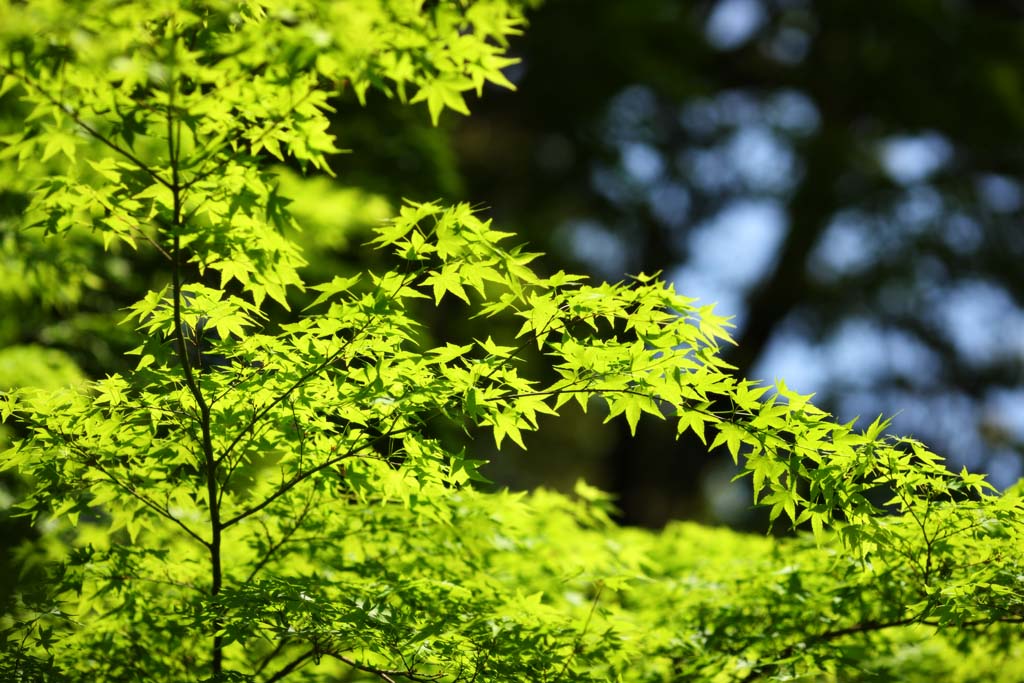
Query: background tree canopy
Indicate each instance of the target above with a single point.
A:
(842, 177)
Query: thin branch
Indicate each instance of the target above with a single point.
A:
(237, 382)
(93, 462)
(291, 666)
(230, 469)
(204, 174)
(280, 543)
(386, 674)
(299, 477)
(314, 371)
(86, 127)
(583, 632)
(260, 414)
(589, 390)
(179, 331)
(270, 656)
(864, 627)
(875, 626)
(131, 226)
(167, 582)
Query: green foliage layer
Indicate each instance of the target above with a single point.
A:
(275, 496)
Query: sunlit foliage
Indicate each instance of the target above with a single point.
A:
(261, 500)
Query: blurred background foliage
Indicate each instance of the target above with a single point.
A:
(842, 177)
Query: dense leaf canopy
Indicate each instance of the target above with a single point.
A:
(264, 492)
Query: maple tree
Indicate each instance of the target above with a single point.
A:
(266, 494)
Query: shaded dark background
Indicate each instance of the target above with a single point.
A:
(843, 177)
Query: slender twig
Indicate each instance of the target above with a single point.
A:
(385, 674)
(93, 462)
(872, 626)
(86, 127)
(167, 582)
(131, 226)
(583, 632)
(261, 413)
(204, 174)
(270, 656)
(299, 477)
(311, 373)
(291, 666)
(238, 382)
(280, 543)
(229, 471)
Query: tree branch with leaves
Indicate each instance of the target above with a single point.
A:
(337, 526)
